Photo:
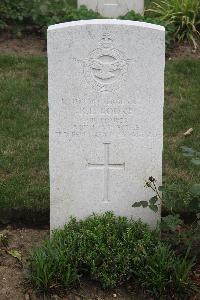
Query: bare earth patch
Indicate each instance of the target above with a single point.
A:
(24, 46)
(12, 282)
(185, 50)
(11, 269)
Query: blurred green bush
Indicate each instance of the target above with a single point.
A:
(181, 18)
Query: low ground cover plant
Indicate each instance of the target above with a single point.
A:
(111, 250)
(179, 234)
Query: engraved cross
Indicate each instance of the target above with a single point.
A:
(106, 167)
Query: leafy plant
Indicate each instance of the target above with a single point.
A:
(52, 13)
(165, 275)
(36, 15)
(181, 276)
(171, 223)
(182, 236)
(172, 199)
(195, 189)
(155, 201)
(24, 15)
(177, 234)
(192, 154)
(184, 15)
(53, 266)
(106, 248)
(110, 250)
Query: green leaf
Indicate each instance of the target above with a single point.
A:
(15, 254)
(195, 203)
(171, 222)
(153, 207)
(141, 203)
(188, 154)
(195, 189)
(153, 200)
(187, 151)
(136, 204)
(144, 204)
(196, 161)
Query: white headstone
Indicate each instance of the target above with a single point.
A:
(106, 82)
(113, 8)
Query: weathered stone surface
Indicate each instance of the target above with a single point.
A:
(106, 88)
(113, 8)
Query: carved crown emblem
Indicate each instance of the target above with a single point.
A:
(106, 67)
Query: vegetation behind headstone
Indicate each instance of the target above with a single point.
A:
(181, 18)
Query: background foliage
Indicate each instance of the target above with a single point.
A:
(36, 15)
(184, 15)
(180, 17)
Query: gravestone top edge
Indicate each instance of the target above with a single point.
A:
(106, 22)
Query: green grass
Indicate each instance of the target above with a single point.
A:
(24, 130)
(23, 133)
(182, 111)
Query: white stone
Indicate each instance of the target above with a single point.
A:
(106, 83)
(113, 8)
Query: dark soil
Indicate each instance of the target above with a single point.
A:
(13, 285)
(29, 45)
(24, 217)
(185, 50)
(11, 270)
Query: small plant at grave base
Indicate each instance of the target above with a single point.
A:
(175, 232)
(164, 275)
(111, 250)
(184, 15)
(168, 200)
(155, 201)
(105, 248)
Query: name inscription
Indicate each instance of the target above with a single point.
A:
(101, 117)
